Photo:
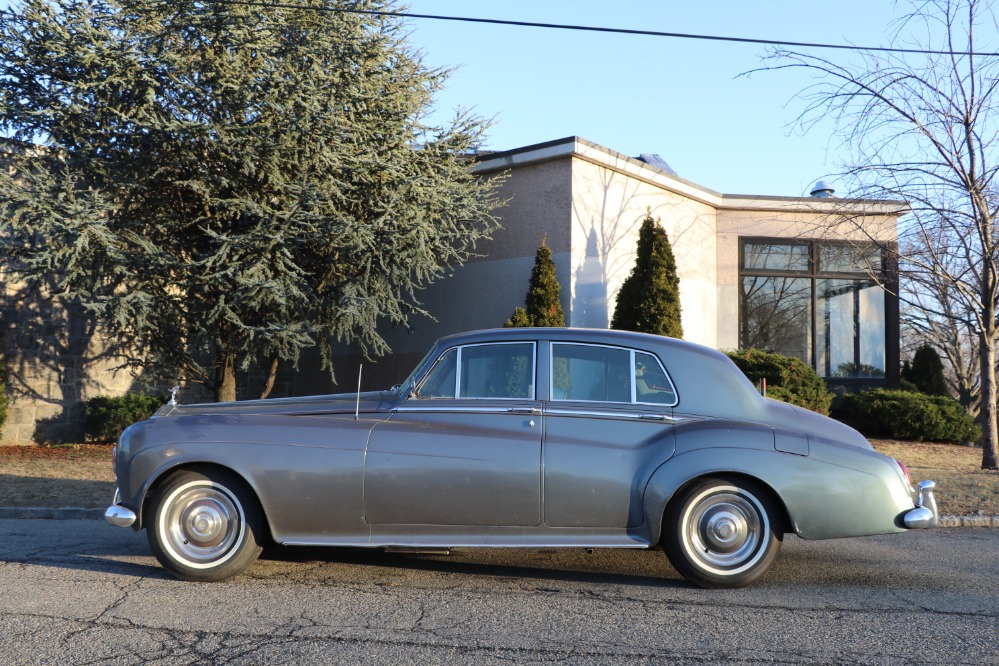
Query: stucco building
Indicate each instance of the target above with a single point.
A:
(796, 275)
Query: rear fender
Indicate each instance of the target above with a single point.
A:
(821, 500)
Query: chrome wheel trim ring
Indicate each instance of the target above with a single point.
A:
(724, 530)
(201, 524)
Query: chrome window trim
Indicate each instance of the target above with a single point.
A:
(417, 386)
(631, 360)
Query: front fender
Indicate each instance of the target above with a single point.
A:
(823, 500)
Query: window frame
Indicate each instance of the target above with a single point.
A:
(631, 374)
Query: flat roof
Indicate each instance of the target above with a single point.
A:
(580, 148)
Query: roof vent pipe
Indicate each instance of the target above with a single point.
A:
(822, 189)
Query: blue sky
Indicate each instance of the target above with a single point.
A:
(682, 99)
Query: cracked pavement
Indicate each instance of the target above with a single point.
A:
(83, 592)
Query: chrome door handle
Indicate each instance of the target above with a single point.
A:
(652, 417)
(523, 410)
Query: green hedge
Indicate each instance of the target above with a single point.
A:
(788, 378)
(106, 417)
(909, 415)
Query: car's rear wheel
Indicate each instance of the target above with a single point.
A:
(722, 533)
(205, 525)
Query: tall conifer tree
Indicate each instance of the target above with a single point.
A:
(229, 184)
(649, 299)
(543, 305)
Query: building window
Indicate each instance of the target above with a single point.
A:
(819, 301)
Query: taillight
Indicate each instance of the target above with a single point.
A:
(905, 472)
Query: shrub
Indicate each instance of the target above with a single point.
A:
(788, 379)
(909, 415)
(926, 372)
(106, 417)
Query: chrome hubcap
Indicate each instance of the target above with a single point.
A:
(724, 530)
(201, 523)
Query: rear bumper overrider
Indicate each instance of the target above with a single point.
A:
(924, 515)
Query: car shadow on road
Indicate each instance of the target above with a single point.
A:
(622, 567)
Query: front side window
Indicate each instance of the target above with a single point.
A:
(816, 301)
(497, 371)
(595, 373)
(486, 371)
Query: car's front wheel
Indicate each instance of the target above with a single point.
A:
(720, 533)
(205, 525)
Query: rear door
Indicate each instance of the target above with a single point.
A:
(608, 425)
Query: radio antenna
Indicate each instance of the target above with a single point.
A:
(357, 404)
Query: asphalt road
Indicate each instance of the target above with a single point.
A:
(82, 592)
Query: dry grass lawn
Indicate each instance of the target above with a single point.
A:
(81, 475)
(963, 487)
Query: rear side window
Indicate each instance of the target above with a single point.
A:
(651, 383)
(597, 373)
(589, 372)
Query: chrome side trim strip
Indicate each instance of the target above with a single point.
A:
(469, 410)
(589, 413)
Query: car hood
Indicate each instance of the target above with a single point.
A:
(340, 403)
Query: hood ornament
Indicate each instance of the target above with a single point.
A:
(173, 396)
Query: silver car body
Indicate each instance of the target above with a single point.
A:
(399, 468)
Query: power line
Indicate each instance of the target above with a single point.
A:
(590, 28)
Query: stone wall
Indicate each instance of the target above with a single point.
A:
(55, 358)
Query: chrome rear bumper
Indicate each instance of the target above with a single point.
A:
(925, 514)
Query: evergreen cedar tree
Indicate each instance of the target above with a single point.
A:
(649, 299)
(543, 307)
(222, 185)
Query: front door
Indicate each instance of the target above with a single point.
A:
(466, 448)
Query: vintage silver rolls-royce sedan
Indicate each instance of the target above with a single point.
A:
(514, 438)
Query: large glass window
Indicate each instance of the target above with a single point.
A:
(816, 301)
(777, 315)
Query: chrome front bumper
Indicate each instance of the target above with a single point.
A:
(925, 514)
(118, 515)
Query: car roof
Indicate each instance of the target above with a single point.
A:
(590, 335)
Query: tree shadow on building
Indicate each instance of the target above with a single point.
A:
(56, 357)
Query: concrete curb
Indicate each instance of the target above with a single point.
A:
(77, 513)
(48, 513)
(969, 521)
